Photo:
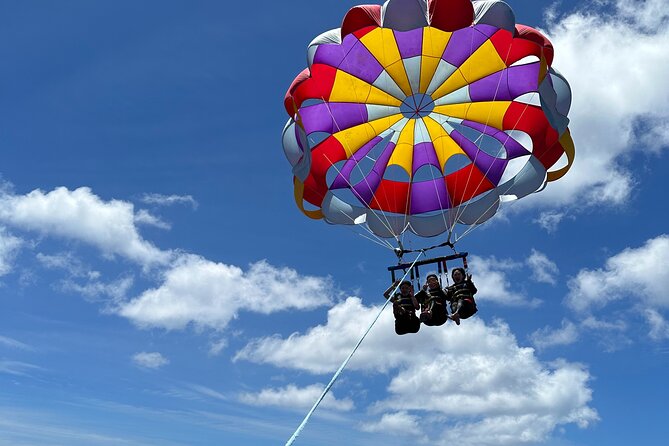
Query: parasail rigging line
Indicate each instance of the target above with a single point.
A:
(300, 428)
(385, 223)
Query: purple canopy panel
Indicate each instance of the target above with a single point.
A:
(491, 88)
(462, 44)
(424, 154)
(429, 196)
(333, 54)
(343, 177)
(382, 162)
(410, 43)
(332, 117)
(513, 148)
(487, 30)
(524, 79)
(492, 167)
(360, 63)
(365, 189)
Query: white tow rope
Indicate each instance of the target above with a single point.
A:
(299, 429)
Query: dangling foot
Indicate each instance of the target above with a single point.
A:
(455, 318)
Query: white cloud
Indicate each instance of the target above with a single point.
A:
(152, 360)
(400, 423)
(543, 269)
(297, 398)
(67, 261)
(116, 290)
(13, 343)
(169, 200)
(81, 215)
(548, 337)
(614, 55)
(216, 347)
(9, 248)
(595, 324)
(347, 321)
(490, 377)
(489, 276)
(208, 294)
(144, 217)
(636, 280)
(17, 368)
(550, 220)
(208, 392)
(635, 274)
(659, 327)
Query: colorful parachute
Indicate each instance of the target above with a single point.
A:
(422, 114)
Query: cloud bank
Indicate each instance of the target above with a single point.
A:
(614, 55)
(497, 392)
(208, 294)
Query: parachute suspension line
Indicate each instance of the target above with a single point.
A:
(374, 238)
(478, 144)
(434, 179)
(525, 108)
(300, 428)
(386, 224)
(475, 225)
(406, 223)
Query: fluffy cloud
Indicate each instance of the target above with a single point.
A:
(493, 285)
(635, 274)
(620, 101)
(68, 262)
(550, 220)
(208, 294)
(94, 289)
(543, 269)
(659, 327)
(491, 378)
(144, 217)
(9, 247)
(398, 423)
(81, 215)
(347, 321)
(153, 360)
(548, 337)
(296, 398)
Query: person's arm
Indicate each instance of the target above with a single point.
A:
(471, 285)
(390, 289)
(415, 302)
(420, 297)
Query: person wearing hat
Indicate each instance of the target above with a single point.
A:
(433, 302)
(461, 295)
(404, 308)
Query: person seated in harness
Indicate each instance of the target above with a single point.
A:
(433, 302)
(404, 308)
(461, 295)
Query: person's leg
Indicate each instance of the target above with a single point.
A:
(467, 309)
(439, 315)
(400, 327)
(413, 325)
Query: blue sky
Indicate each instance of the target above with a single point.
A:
(158, 286)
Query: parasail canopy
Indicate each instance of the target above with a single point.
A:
(419, 115)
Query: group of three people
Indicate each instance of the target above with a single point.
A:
(432, 302)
